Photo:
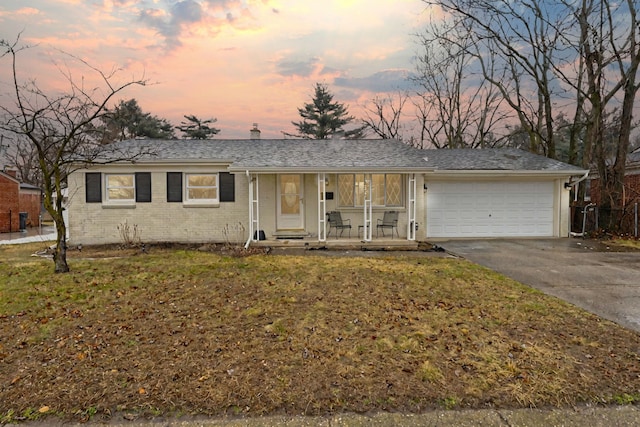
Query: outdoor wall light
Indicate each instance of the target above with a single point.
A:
(425, 187)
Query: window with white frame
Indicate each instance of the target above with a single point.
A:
(202, 188)
(386, 190)
(120, 187)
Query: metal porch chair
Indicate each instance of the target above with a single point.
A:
(336, 222)
(389, 220)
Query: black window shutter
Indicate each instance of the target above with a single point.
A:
(174, 186)
(93, 187)
(227, 187)
(143, 187)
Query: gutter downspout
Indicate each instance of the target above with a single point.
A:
(584, 210)
(246, 245)
(572, 184)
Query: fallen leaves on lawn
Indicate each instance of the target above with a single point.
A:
(194, 332)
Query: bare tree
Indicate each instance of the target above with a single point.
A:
(623, 48)
(24, 158)
(515, 44)
(383, 115)
(457, 107)
(60, 128)
(603, 37)
(578, 58)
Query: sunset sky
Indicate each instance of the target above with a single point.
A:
(241, 61)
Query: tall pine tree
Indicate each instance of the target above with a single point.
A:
(322, 118)
(127, 120)
(195, 128)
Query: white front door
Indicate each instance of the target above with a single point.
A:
(290, 202)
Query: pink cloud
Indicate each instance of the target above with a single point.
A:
(27, 11)
(240, 61)
(19, 13)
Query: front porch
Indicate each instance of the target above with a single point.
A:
(345, 243)
(381, 209)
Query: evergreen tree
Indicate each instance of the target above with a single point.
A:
(128, 121)
(195, 128)
(322, 117)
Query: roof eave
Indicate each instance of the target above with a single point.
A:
(511, 172)
(6, 175)
(359, 169)
(160, 162)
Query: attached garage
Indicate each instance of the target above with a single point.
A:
(492, 192)
(490, 209)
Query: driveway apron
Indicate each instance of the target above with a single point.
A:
(588, 274)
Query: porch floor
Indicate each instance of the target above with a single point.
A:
(345, 243)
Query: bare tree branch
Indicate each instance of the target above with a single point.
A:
(58, 129)
(384, 115)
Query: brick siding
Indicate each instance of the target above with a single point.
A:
(9, 204)
(31, 202)
(158, 221)
(631, 189)
(631, 197)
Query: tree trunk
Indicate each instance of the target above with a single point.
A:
(611, 207)
(614, 186)
(612, 170)
(60, 251)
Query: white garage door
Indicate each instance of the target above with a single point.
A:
(490, 209)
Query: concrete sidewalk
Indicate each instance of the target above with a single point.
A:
(30, 235)
(595, 416)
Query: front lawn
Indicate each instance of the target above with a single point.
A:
(180, 331)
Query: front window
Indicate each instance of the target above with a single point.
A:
(202, 187)
(393, 190)
(121, 188)
(386, 190)
(346, 190)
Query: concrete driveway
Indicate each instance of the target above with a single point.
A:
(586, 273)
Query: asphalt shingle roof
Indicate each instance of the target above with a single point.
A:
(499, 159)
(26, 186)
(329, 154)
(284, 153)
(633, 159)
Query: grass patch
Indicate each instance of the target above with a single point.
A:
(629, 243)
(181, 331)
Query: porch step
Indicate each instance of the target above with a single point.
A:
(289, 235)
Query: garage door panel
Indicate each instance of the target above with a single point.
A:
(466, 203)
(543, 202)
(510, 229)
(467, 214)
(518, 200)
(482, 230)
(490, 209)
(482, 203)
(488, 186)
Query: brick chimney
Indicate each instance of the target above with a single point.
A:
(11, 171)
(255, 132)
